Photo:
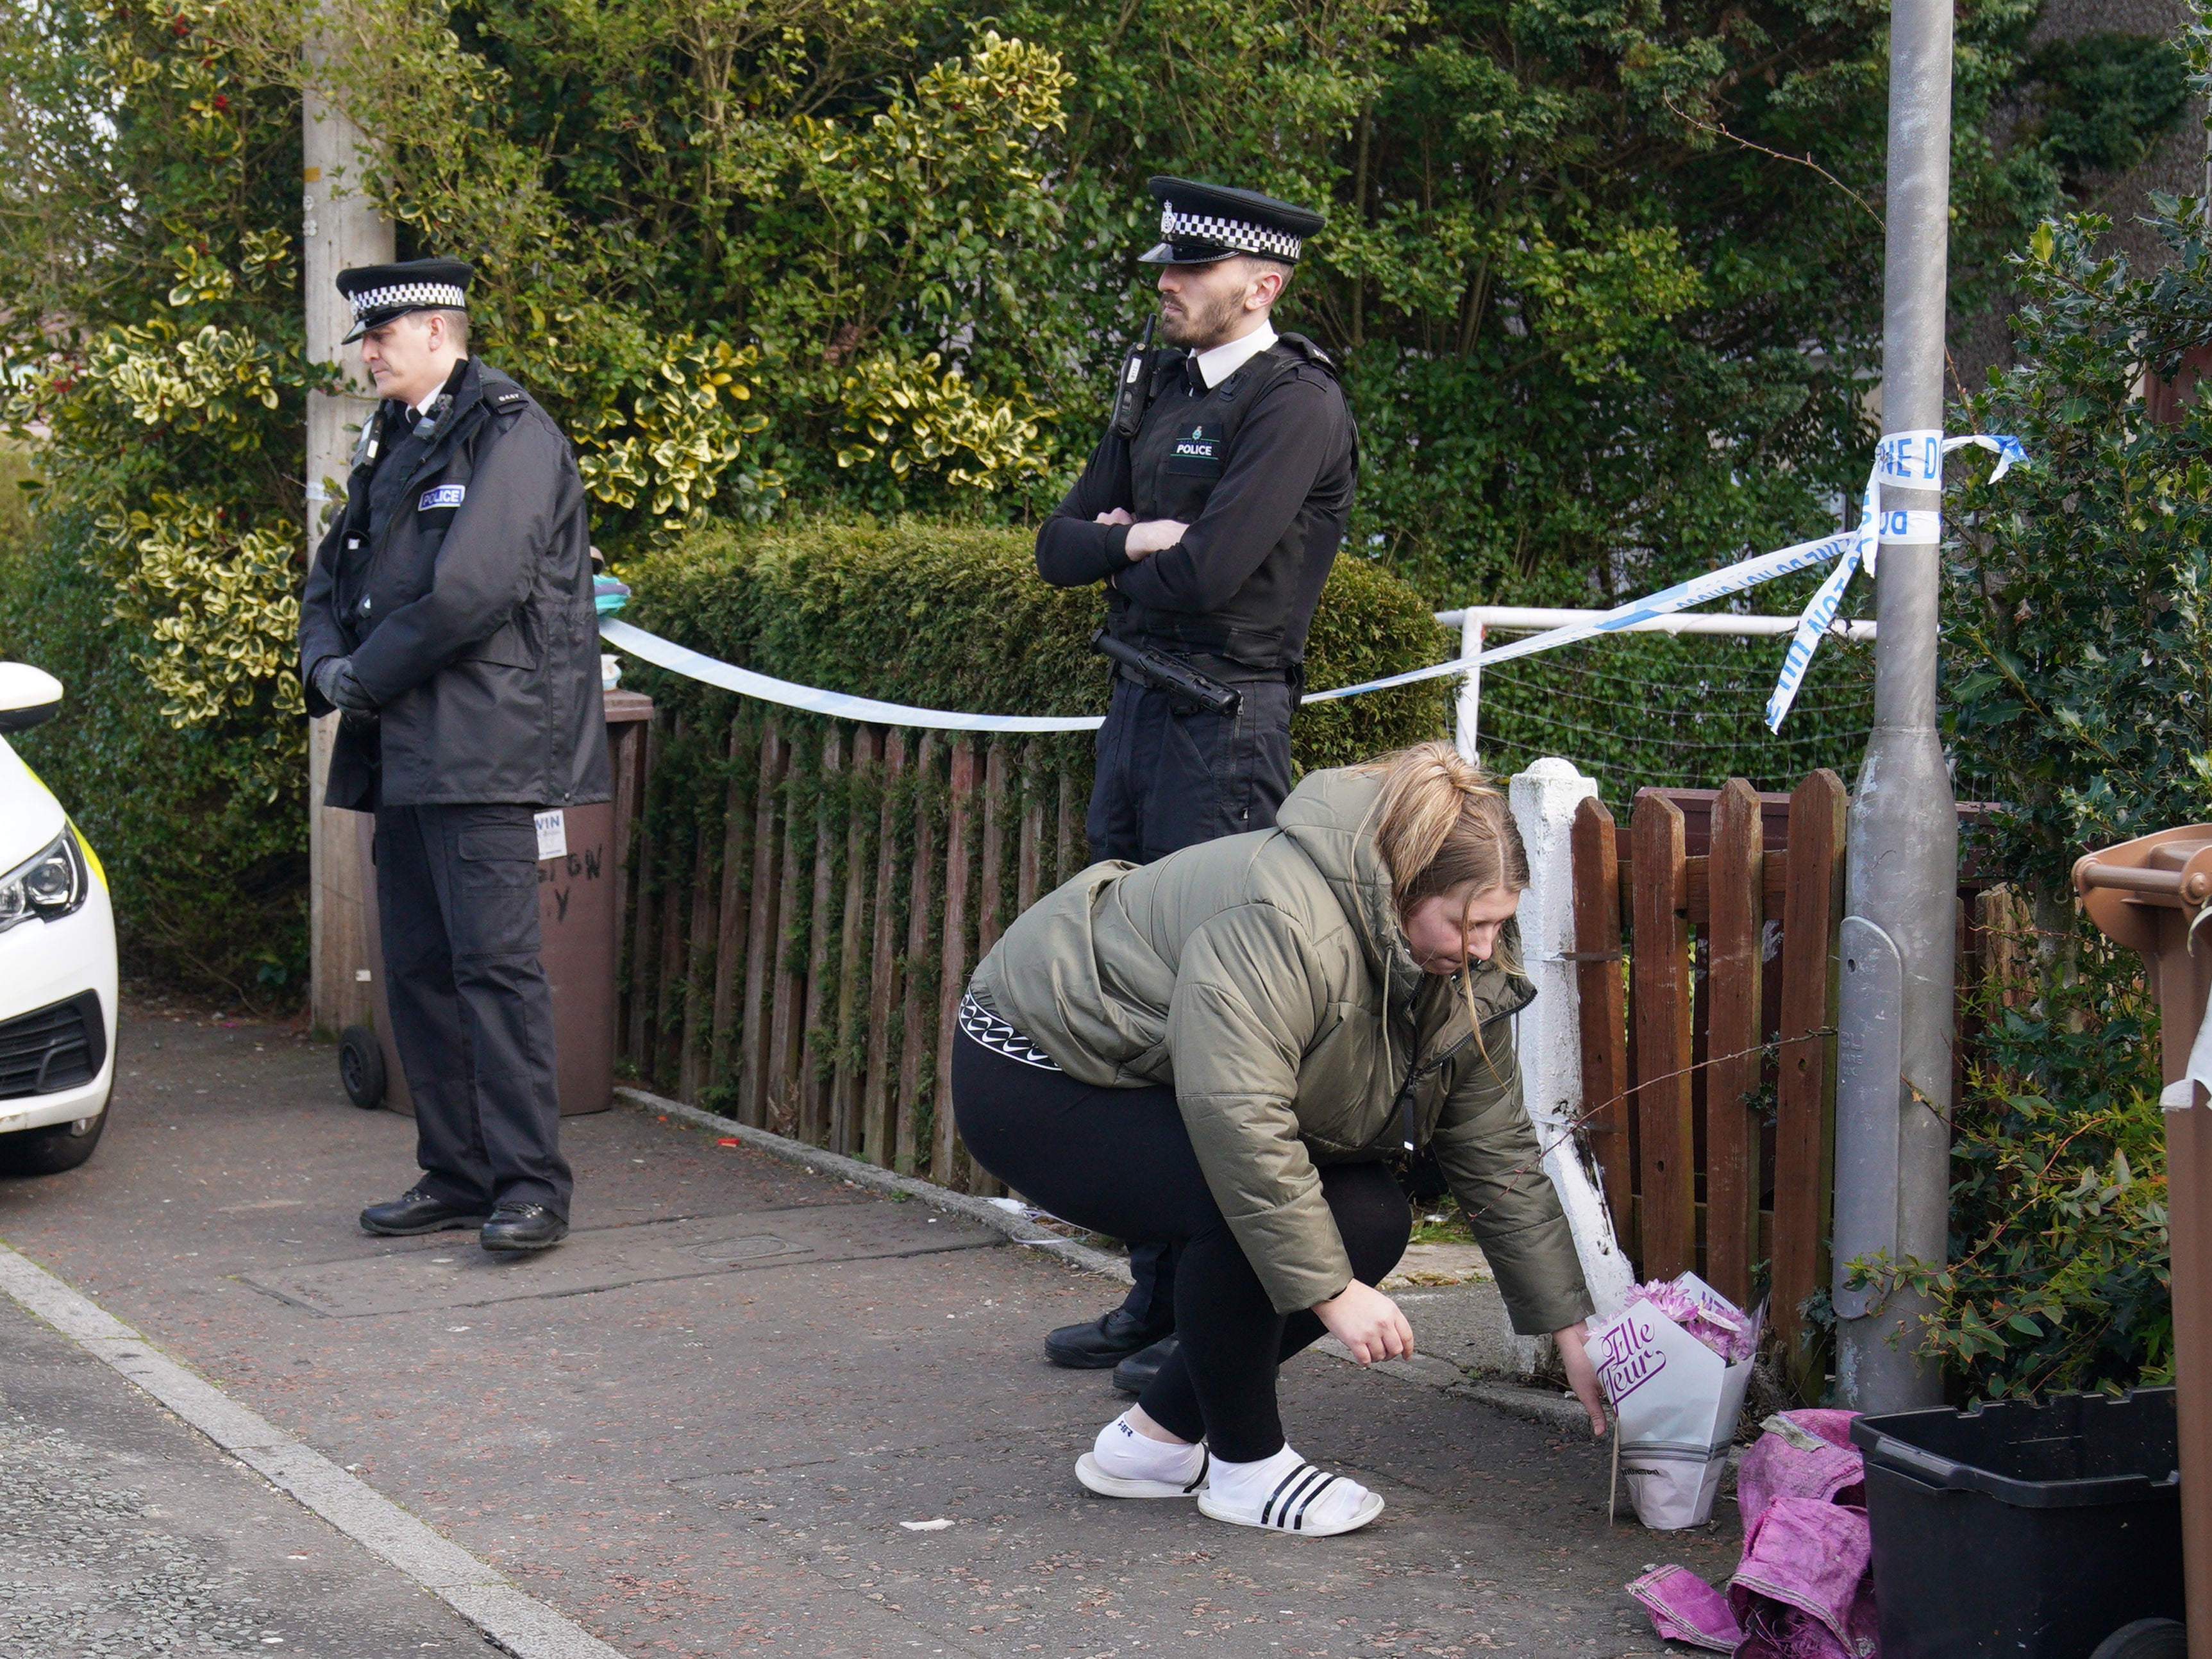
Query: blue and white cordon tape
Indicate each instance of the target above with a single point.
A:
(838, 705)
(1911, 460)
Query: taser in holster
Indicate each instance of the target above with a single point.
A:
(1129, 394)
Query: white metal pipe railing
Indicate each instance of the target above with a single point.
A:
(1475, 621)
(1533, 619)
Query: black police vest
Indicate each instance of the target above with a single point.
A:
(1180, 452)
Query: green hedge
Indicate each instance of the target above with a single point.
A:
(954, 617)
(209, 875)
(939, 616)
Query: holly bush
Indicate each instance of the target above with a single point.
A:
(2058, 1277)
(151, 344)
(2078, 620)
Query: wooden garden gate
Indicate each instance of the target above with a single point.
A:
(1705, 956)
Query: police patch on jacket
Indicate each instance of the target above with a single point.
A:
(1197, 451)
(435, 508)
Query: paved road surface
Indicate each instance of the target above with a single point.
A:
(126, 1533)
(696, 1427)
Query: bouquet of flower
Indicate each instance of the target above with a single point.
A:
(1704, 1313)
(1675, 1364)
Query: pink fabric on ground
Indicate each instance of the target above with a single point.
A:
(1803, 1589)
(1685, 1608)
(1774, 1468)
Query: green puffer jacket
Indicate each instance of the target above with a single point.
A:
(1250, 972)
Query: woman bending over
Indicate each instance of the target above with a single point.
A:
(1223, 1048)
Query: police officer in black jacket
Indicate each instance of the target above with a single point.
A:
(1211, 510)
(449, 617)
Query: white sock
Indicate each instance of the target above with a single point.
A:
(1250, 1484)
(1318, 1496)
(1122, 1451)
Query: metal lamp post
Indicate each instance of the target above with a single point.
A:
(1894, 1050)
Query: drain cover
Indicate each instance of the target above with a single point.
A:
(744, 1250)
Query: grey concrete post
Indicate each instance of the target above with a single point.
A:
(339, 227)
(1893, 1086)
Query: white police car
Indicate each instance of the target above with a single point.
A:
(57, 958)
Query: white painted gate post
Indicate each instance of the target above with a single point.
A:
(1547, 1036)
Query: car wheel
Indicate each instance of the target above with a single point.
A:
(2147, 1639)
(55, 1147)
(361, 1066)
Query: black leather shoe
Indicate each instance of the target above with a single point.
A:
(416, 1212)
(1104, 1342)
(1134, 1375)
(522, 1227)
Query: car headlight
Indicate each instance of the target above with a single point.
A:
(48, 887)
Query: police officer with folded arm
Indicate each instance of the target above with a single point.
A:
(1211, 510)
(449, 618)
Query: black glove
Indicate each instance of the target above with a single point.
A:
(334, 679)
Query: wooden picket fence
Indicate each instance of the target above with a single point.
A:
(804, 902)
(802, 906)
(1705, 964)
(1709, 1063)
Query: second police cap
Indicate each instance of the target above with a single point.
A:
(379, 293)
(1201, 222)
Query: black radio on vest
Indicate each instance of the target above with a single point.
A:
(1132, 391)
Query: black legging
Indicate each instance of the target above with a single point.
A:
(1119, 1161)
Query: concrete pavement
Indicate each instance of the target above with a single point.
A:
(699, 1425)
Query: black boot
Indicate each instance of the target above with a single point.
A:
(1134, 1374)
(1104, 1342)
(522, 1227)
(416, 1212)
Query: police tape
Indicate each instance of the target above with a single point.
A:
(1909, 459)
(838, 705)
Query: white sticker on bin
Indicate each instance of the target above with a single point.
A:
(552, 834)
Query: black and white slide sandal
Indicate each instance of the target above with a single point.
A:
(1308, 1502)
(1120, 1485)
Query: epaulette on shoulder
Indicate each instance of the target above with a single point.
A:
(1307, 351)
(513, 395)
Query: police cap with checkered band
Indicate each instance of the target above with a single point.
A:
(1200, 223)
(379, 293)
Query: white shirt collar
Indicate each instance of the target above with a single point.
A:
(1217, 364)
